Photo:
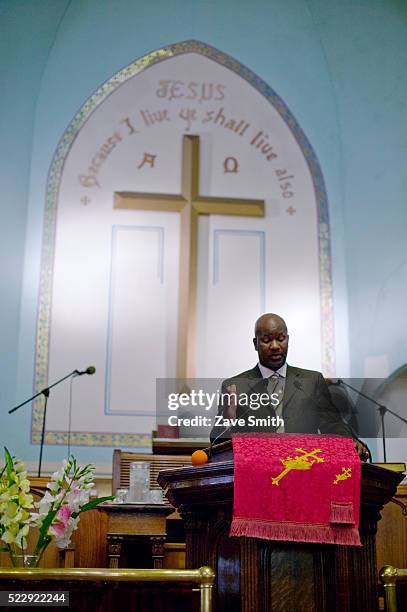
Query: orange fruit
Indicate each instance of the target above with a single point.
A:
(199, 457)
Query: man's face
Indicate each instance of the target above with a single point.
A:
(271, 342)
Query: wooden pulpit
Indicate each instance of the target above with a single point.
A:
(254, 575)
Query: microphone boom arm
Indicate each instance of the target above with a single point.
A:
(381, 408)
(44, 391)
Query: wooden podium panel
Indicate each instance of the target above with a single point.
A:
(254, 575)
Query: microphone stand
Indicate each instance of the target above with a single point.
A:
(381, 408)
(44, 416)
(45, 393)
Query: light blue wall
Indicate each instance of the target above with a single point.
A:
(365, 45)
(27, 32)
(340, 66)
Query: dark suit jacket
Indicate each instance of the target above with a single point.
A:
(307, 405)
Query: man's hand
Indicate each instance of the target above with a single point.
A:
(229, 411)
(362, 450)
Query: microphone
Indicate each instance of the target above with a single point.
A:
(89, 370)
(367, 455)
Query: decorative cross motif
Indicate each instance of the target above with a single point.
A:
(291, 211)
(346, 473)
(85, 200)
(299, 462)
(190, 204)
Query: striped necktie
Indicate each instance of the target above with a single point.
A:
(275, 386)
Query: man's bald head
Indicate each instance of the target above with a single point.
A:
(269, 319)
(271, 340)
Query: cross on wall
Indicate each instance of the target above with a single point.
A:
(190, 204)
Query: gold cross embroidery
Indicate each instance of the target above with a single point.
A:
(346, 473)
(299, 462)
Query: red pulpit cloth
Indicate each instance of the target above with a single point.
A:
(299, 488)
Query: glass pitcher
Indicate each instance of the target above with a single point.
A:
(139, 481)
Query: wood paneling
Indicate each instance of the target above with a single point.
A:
(174, 555)
(276, 576)
(391, 541)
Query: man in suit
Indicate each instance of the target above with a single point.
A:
(299, 397)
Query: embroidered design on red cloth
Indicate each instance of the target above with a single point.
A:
(299, 488)
(346, 473)
(299, 462)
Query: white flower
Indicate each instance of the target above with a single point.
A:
(20, 540)
(36, 519)
(60, 474)
(26, 500)
(64, 541)
(53, 486)
(15, 535)
(67, 493)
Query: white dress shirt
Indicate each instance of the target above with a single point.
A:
(282, 373)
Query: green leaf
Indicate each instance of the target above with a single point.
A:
(9, 461)
(92, 504)
(84, 470)
(43, 546)
(44, 538)
(4, 549)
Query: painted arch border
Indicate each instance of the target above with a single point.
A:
(50, 216)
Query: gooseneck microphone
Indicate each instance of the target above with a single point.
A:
(367, 454)
(89, 370)
(381, 409)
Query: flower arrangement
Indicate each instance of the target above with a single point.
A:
(67, 496)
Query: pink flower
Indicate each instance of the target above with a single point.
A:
(63, 515)
(57, 530)
(60, 522)
(74, 487)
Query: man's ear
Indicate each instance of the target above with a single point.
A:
(255, 343)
